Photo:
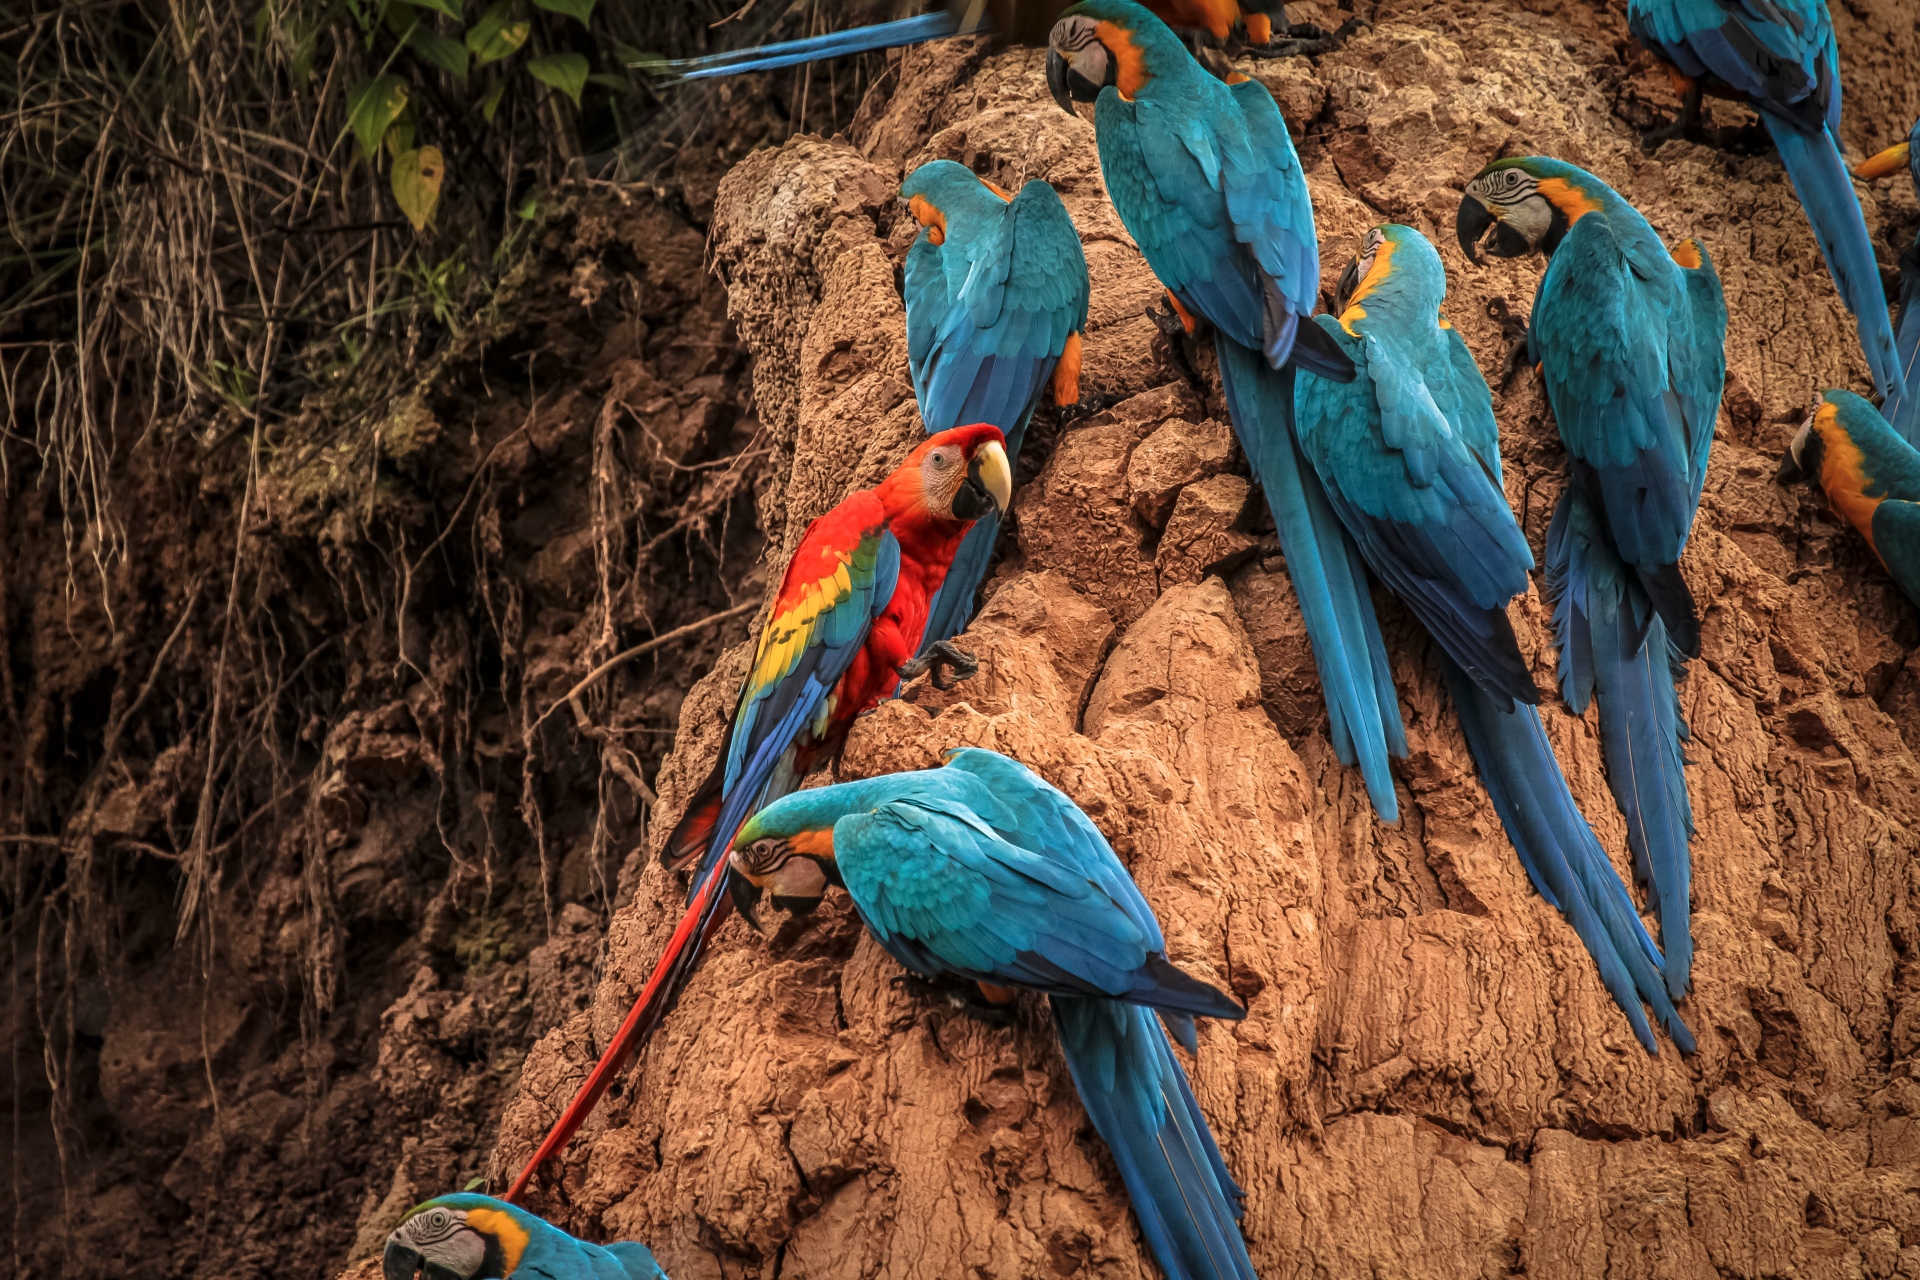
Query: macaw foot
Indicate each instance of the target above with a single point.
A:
(941, 656)
(1166, 319)
(1514, 329)
(1685, 125)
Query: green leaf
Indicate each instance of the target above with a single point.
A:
(491, 103)
(615, 83)
(566, 72)
(496, 34)
(400, 136)
(476, 1183)
(581, 9)
(416, 184)
(529, 208)
(447, 54)
(372, 107)
(449, 7)
(401, 17)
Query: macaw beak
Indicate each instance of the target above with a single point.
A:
(1802, 460)
(988, 486)
(746, 899)
(1789, 472)
(1892, 160)
(399, 1262)
(1470, 224)
(1057, 81)
(1349, 281)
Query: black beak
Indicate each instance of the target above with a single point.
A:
(797, 906)
(1057, 81)
(972, 501)
(1789, 472)
(1349, 281)
(746, 898)
(1469, 224)
(399, 1262)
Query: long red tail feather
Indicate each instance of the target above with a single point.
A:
(655, 998)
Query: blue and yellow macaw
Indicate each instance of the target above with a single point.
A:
(982, 872)
(1205, 178)
(1410, 457)
(1871, 476)
(473, 1237)
(1631, 341)
(1779, 57)
(996, 290)
(1902, 405)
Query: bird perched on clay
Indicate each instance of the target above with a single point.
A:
(1870, 475)
(845, 628)
(1630, 340)
(1410, 457)
(1205, 178)
(472, 1237)
(982, 872)
(1902, 405)
(1780, 58)
(996, 292)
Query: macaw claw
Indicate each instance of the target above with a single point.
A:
(1166, 319)
(941, 656)
(954, 996)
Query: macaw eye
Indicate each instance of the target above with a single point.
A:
(940, 459)
(437, 1218)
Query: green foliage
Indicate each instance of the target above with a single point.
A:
(566, 72)
(580, 9)
(416, 183)
(497, 35)
(373, 107)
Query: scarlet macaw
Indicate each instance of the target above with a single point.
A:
(1902, 405)
(1205, 178)
(996, 292)
(1871, 476)
(981, 871)
(1410, 457)
(845, 627)
(1780, 58)
(1631, 341)
(474, 1237)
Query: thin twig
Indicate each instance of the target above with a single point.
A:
(637, 650)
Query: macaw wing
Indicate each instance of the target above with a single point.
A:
(840, 579)
(1604, 323)
(987, 346)
(1267, 198)
(1779, 53)
(1026, 810)
(1161, 164)
(1463, 396)
(945, 894)
(1431, 521)
(1698, 364)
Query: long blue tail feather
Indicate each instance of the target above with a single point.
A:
(1561, 854)
(791, 53)
(1902, 408)
(1825, 187)
(1363, 711)
(1141, 1104)
(1614, 648)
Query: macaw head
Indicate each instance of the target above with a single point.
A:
(459, 1237)
(1838, 425)
(786, 849)
(943, 189)
(1905, 153)
(1529, 204)
(1098, 43)
(1393, 262)
(961, 474)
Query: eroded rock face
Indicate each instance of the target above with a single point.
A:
(1430, 1079)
